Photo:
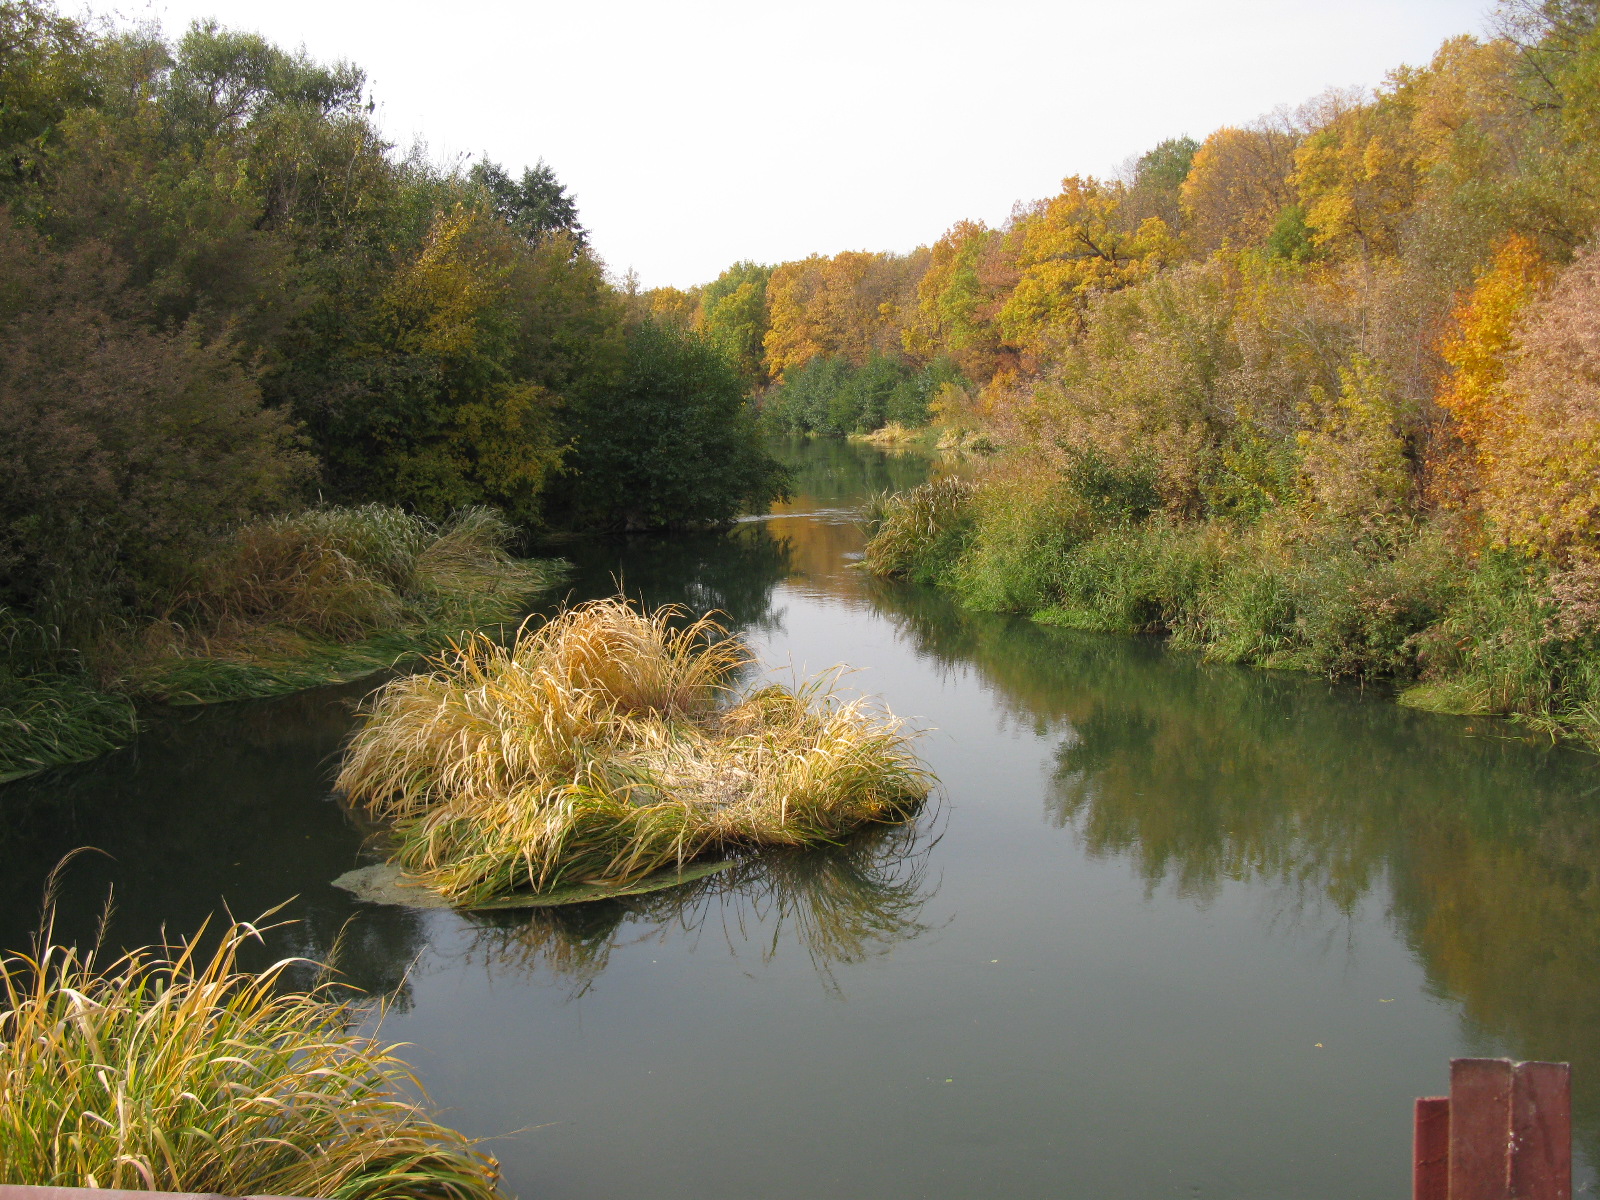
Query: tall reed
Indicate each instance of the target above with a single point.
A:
(172, 1069)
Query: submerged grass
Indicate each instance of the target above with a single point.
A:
(609, 744)
(171, 1069)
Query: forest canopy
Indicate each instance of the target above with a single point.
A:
(226, 295)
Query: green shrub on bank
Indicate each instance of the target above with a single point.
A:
(1394, 602)
(1521, 639)
(172, 1070)
(834, 396)
(916, 533)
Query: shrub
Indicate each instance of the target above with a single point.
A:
(124, 445)
(674, 445)
(1542, 489)
(1132, 579)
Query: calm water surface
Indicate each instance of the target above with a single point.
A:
(1171, 929)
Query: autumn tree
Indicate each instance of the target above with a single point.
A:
(734, 317)
(1542, 476)
(1238, 186)
(1074, 246)
(849, 304)
(970, 271)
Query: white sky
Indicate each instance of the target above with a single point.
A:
(697, 133)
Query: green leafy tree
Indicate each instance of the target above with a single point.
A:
(674, 445)
(734, 317)
(535, 206)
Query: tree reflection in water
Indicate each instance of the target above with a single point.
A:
(1481, 845)
(842, 904)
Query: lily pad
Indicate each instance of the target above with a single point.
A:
(386, 883)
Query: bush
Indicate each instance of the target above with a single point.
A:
(920, 532)
(1522, 640)
(124, 445)
(831, 395)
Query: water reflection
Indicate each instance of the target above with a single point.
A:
(1482, 846)
(1122, 819)
(838, 904)
(732, 571)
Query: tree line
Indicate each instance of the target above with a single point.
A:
(1318, 390)
(223, 294)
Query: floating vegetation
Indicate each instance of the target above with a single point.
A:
(609, 745)
(171, 1069)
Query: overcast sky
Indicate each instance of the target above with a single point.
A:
(697, 134)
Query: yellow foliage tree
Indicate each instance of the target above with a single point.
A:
(967, 276)
(847, 305)
(1237, 186)
(1542, 480)
(474, 429)
(1357, 176)
(1069, 249)
(1353, 460)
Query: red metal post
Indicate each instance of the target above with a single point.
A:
(1430, 1150)
(1480, 1128)
(1541, 1132)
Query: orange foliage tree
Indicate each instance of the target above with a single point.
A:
(1479, 351)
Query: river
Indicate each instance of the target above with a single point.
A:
(1169, 928)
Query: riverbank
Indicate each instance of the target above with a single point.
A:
(326, 596)
(1401, 605)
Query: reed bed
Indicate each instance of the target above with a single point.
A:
(905, 524)
(327, 595)
(609, 744)
(172, 1069)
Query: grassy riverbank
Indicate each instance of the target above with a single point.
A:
(610, 744)
(323, 596)
(173, 1069)
(1399, 603)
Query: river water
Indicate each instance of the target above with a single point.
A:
(1168, 929)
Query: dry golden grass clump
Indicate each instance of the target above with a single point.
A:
(607, 745)
(174, 1070)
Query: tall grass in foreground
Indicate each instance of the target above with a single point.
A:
(609, 744)
(173, 1070)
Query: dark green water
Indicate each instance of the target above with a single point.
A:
(1174, 929)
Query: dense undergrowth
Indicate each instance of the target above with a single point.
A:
(1497, 631)
(609, 744)
(173, 1069)
(280, 604)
